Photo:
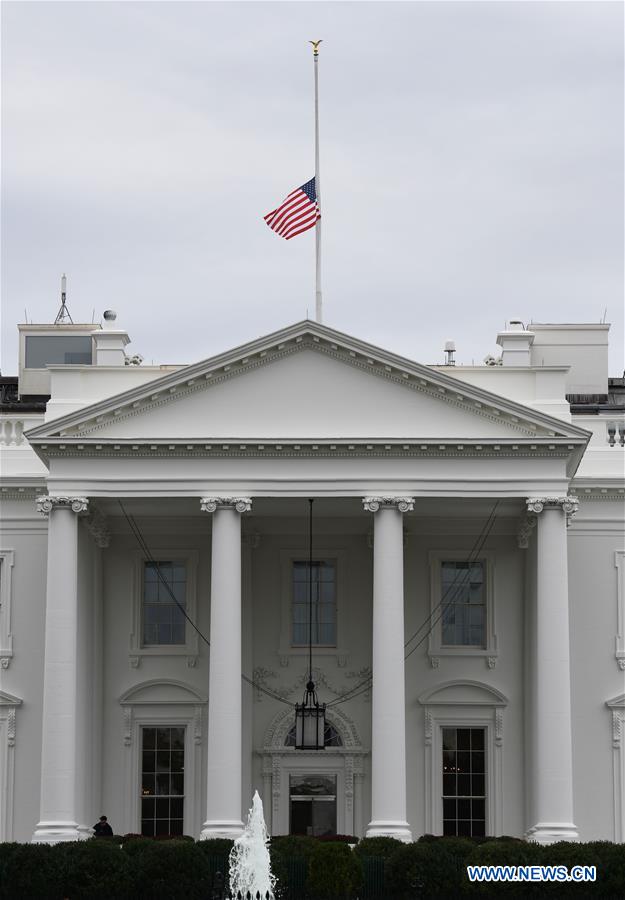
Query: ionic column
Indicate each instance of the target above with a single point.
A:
(59, 801)
(223, 782)
(388, 713)
(552, 736)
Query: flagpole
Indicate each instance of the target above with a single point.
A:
(318, 305)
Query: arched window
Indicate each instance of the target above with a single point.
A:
(331, 737)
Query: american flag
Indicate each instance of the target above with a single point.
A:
(298, 212)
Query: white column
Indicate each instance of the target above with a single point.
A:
(552, 766)
(59, 800)
(388, 713)
(223, 782)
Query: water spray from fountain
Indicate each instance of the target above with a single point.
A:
(250, 866)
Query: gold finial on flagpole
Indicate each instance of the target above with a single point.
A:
(315, 47)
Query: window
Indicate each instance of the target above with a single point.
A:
(463, 603)
(464, 782)
(158, 626)
(162, 781)
(50, 350)
(164, 587)
(463, 748)
(323, 576)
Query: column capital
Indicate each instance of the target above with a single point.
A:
(45, 504)
(212, 504)
(403, 504)
(568, 504)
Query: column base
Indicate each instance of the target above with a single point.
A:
(58, 832)
(228, 828)
(552, 832)
(384, 828)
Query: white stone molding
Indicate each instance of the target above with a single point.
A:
(7, 560)
(403, 504)
(161, 703)
(568, 504)
(279, 762)
(619, 562)
(525, 531)
(136, 649)
(261, 677)
(46, 503)
(212, 504)
(287, 651)
(8, 728)
(97, 526)
(436, 649)
(617, 708)
(463, 704)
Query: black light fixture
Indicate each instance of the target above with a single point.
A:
(310, 715)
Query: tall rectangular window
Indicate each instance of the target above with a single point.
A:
(323, 576)
(162, 781)
(464, 782)
(164, 599)
(463, 603)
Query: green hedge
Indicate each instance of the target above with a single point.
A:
(307, 869)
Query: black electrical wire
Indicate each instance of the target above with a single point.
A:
(146, 550)
(364, 685)
(441, 607)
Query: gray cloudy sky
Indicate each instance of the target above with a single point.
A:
(472, 169)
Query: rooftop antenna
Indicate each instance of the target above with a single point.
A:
(63, 316)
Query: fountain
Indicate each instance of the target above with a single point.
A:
(250, 867)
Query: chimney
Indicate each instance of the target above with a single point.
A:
(515, 343)
(109, 342)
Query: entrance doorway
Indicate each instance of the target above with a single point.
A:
(312, 804)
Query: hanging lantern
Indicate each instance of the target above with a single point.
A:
(310, 721)
(310, 715)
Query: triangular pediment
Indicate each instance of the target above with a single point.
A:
(305, 383)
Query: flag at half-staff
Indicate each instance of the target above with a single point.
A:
(298, 212)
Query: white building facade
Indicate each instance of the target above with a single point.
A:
(468, 572)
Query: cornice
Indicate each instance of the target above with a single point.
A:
(308, 335)
(329, 448)
(598, 490)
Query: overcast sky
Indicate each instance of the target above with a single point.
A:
(471, 166)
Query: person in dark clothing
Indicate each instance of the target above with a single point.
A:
(102, 828)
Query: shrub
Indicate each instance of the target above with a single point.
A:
(435, 868)
(334, 872)
(168, 870)
(216, 852)
(94, 869)
(338, 838)
(216, 846)
(507, 853)
(610, 868)
(382, 847)
(289, 863)
(28, 871)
